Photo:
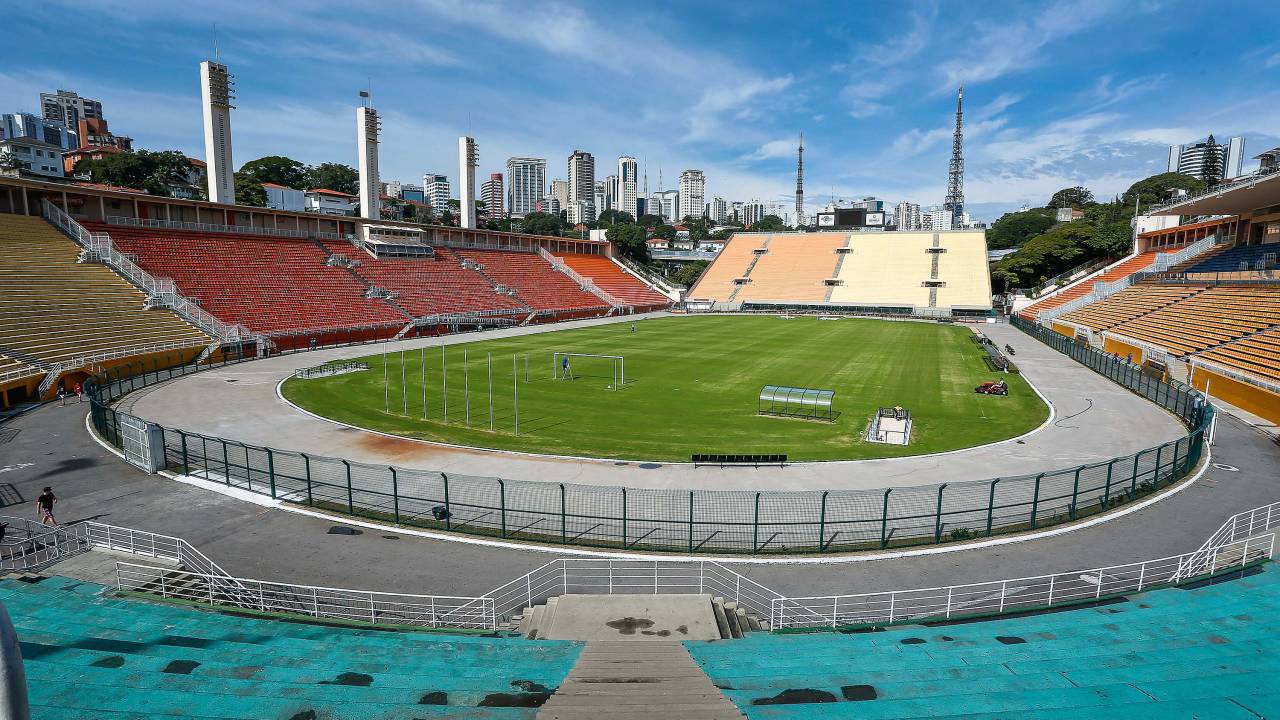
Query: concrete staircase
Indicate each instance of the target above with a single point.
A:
(627, 680)
(720, 619)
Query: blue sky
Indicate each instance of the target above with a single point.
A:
(1075, 92)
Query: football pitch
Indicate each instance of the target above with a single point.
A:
(691, 387)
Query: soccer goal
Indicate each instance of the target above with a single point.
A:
(562, 366)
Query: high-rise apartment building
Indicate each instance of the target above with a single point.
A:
(16, 126)
(907, 216)
(560, 191)
(693, 188)
(1225, 160)
(69, 108)
(581, 185)
(526, 185)
(436, 191)
(493, 196)
(752, 212)
(936, 219)
(216, 94)
(627, 189)
(610, 193)
(718, 210)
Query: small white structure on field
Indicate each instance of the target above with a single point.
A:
(891, 426)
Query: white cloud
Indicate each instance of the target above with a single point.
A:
(705, 117)
(1000, 48)
(774, 149)
(1104, 93)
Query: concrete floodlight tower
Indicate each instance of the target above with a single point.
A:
(367, 128)
(955, 172)
(217, 90)
(468, 159)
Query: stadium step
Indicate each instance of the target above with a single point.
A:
(622, 680)
(723, 619)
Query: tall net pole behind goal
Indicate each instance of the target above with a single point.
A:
(561, 366)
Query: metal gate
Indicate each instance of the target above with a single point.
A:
(136, 441)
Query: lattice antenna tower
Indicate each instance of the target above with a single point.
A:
(955, 172)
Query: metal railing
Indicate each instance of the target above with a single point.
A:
(1014, 595)
(690, 521)
(629, 577)
(584, 282)
(214, 228)
(375, 608)
(1225, 186)
(1241, 526)
(161, 290)
(56, 370)
(1066, 278)
(1164, 261)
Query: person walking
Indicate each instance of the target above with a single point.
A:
(44, 506)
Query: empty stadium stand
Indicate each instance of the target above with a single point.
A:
(1124, 269)
(615, 281)
(270, 285)
(1240, 257)
(91, 656)
(1205, 319)
(1128, 304)
(55, 309)
(536, 282)
(1258, 354)
(894, 270)
(795, 268)
(718, 280)
(1206, 652)
(429, 285)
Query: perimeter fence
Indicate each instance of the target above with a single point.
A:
(688, 521)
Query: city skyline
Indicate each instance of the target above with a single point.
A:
(1046, 109)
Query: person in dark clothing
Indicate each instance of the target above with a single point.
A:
(44, 506)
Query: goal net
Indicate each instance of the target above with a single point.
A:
(571, 366)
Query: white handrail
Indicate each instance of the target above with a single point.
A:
(1242, 525)
(163, 290)
(998, 597)
(211, 227)
(374, 607)
(584, 282)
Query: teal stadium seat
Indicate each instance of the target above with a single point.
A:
(1209, 652)
(88, 655)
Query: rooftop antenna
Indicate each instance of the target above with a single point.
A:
(217, 54)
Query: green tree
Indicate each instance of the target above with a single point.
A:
(1156, 189)
(666, 232)
(156, 172)
(1211, 163)
(1072, 197)
(699, 230)
(630, 240)
(540, 223)
(279, 170)
(689, 273)
(334, 176)
(768, 223)
(649, 220)
(615, 217)
(249, 192)
(1015, 228)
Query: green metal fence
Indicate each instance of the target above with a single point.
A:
(691, 521)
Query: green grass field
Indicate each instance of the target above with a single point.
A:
(692, 384)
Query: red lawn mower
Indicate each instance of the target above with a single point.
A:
(993, 387)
